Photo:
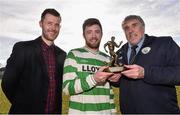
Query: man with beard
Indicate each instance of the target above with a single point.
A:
(33, 77)
(148, 84)
(84, 79)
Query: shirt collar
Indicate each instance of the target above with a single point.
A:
(90, 50)
(46, 47)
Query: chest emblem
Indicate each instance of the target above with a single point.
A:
(146, 50)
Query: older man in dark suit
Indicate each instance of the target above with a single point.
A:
(152, 70)
(33, 77)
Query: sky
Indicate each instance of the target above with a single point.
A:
(19, 20)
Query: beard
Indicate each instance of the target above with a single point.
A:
(93, 45)
(49, 36)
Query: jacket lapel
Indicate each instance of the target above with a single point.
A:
(124, 53)
(38, 50)
(148, 40)
(146, 43)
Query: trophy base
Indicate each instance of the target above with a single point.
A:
(114, 69)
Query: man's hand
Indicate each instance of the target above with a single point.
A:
(115, 77)
(101, 76)
(133, 71)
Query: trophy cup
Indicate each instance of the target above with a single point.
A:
(114, 67)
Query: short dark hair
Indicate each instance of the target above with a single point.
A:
(131, 17)
(90, 22)
(50, 11)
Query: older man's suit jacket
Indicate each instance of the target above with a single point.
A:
(155, 93)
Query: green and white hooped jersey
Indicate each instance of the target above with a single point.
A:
(86, 96)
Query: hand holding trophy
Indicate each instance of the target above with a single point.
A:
(114, 67)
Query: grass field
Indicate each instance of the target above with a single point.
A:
(4, 103)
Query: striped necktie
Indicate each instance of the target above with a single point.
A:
(133, 54)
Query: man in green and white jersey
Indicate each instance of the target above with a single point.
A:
(84, 79)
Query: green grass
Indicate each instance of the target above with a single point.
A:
(5, 105)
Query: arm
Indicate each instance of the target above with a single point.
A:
(115, 80)
(75, 81)
(166, 74)
(115, 44)
(120, 43)
(12, 72)
(170, 73)
(105, 47)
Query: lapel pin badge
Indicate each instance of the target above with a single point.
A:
(146, 50)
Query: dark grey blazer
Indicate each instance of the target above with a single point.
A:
(25, 81)
(155, 93)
